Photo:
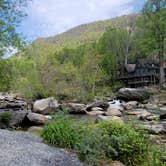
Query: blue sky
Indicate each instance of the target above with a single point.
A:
(50, 17)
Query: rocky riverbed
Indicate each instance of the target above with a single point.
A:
(24, 149)
(150, 112)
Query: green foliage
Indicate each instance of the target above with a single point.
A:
(5, 75)
(61, 133)
(10, 16)
(94, 146)
(5, 118)
(131, 145)
(96, 142)
(82, 34)
(157, 154)
(80, 72)
(154, 15)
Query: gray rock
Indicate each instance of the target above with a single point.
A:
(37, 119)
(21, 149)
(97, 109)
(95, 113)
(113, 112)
(163, 109)
(10, 102)
(163, 116)
(139, 112)
(130, 105)
(158, 129)
(16, 120)
(100, 104)
(116, 163)
(74, 108)
(133, 94)
(115, 119)
(45, 106)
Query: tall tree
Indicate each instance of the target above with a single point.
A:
(154, 12)
(11, 14)
(130, 28)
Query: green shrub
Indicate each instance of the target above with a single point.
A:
(61, 133)
(94, 146)
(99, 142)
(131, 145)
(157, 156)
(5, 118)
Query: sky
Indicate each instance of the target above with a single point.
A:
(50, 17)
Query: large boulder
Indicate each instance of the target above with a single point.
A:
(130, 105)
(45, 106)
(95, 113)
(10, 102)
(163, 116)
(22, 149)
(156, 128)
(139, 112)
(113, 112)
(99, 104)
(14, 119)
(38, 119)
(74, 108)
(133, 94)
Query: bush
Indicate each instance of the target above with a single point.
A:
(131, 145)
(5, 118)
(61, 133)
(99, 142)
(94, 147)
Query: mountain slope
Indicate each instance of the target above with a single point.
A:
(84, 33)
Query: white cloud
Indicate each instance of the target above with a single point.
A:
(50, 17)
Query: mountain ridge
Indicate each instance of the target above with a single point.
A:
(84, 33)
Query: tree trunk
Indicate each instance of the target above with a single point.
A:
(126, 55)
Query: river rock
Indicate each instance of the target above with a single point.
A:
(45, 106)
(163, 102)
(10, 102)
(100, 104)
(130, 105)
(113, 112)
(152, 117)
(109, 118)
(163, 116)
(96, 109)
(15, 120)
(163, 109)
(139, 113)
(116, 163)
(95, 113)
(38, 119)
(157, 129)
(150, 106)
(74, 108)
(24, 149)
(133, 94)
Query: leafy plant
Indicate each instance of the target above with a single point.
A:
(99, 142)
(5, 118)
(61, 133)
(131, 145)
